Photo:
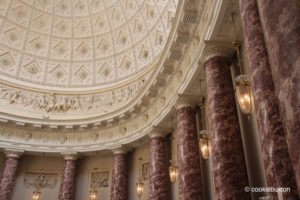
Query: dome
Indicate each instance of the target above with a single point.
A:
(89, 75)
(64, 45)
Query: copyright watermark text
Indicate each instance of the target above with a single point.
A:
(267, 189)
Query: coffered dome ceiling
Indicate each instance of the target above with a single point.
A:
(89, 75)
(81, 43)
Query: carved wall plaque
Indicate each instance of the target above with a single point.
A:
(99, 179)
(46, 180)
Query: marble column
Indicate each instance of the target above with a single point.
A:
(190, 186)
(277, 162)
(280, 20)
(159, 180)
(229, 167)
(119, 176)
(67, 185)
(8, 175)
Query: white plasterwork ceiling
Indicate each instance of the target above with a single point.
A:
(81, 43)
(78, 117)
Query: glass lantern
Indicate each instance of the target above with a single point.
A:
(36, 195)
(244, 94)
(93, 194)
(173, 173)
(205, 144)
(139, 188)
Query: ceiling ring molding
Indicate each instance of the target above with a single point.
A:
(137, 126)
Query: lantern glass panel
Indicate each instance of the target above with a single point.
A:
(205, 144)
(140, 189)
(173, 173)
(244, 94)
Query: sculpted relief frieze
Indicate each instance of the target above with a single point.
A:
(45, 180)
(58, 103)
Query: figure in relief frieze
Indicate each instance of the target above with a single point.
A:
(14, 97)
(51, 103)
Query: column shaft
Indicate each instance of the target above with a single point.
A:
(119, 178)
(158, 170)
(188, 153)
(277, 162)
(229, 166)
(8, 177)
(67, 185)
(281, 24)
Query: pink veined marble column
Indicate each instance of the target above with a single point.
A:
(119, 177)
(8, 175)
(281, 24)
(228, 161)
(188, 155)
(277, 162)
(67, 185)
(158, 186)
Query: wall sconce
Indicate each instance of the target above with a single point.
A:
(173, 169)
(36, 194)
(244, 94)
(205, 144)
(93, 193)
(140, 184)
(243, 90)
(139, 188)
(204, 140)
(173, 173)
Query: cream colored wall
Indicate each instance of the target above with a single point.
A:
(133, 171)
(2, 160)
(33, 164)
(88, 164)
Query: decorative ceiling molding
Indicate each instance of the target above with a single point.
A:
(112, 113)
(36, 104)
(81, 44)
(115, 131)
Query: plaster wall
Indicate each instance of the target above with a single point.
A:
(30, 163)
(143, 151)
(2, 160)
(87, 165)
